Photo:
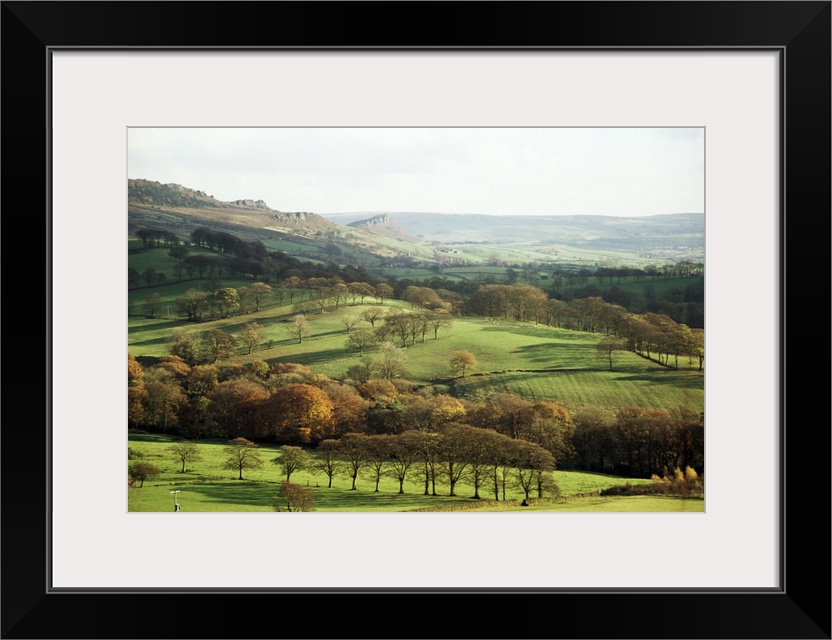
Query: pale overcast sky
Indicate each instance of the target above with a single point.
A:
(500, 171)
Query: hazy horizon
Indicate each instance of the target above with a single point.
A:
(499, 171)
(495, 215)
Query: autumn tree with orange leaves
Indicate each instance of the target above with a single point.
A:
(300, 414)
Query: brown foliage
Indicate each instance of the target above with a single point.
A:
(349, 408)
(300, 413)
(294, 497)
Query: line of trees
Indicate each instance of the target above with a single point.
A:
(454, 453)
(440, 460)
(157, 238)
(214, 300)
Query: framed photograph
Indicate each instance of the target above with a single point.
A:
(81, 79)
(542, 353)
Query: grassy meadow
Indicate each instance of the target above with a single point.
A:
(534, 361)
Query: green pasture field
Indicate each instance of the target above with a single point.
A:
(619, 504)
(420, 251)
(515, 253)
(656, 389)
(547, 256)
(534, 361)
(561, 253)
(417, 274)
(476, 273)
(207, 487)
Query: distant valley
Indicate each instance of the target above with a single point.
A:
(395, 239)
(683, 230)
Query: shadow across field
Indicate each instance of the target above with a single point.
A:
(556, 355)
(242, 492)
(152, 324)
(669, 380)
(258, 493)
(537, 331)
(366, 499)
(312, 358)
(140, 436)
(150, 342)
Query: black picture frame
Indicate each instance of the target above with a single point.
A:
(799, 31)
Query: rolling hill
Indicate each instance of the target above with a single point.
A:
(181, 210)
(393, 239)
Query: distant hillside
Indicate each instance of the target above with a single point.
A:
(592, 232)
(176, 196)
(180, 210)
(161, 201)
(383, 225)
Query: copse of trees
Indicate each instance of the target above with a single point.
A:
(157, 238)
(213, 300)
(227, 243)
(193, 395)
(206, 347)
(636, 441)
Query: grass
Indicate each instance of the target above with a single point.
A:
(208, 487)
(533, 361)
(621, 504)
(653, 389)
